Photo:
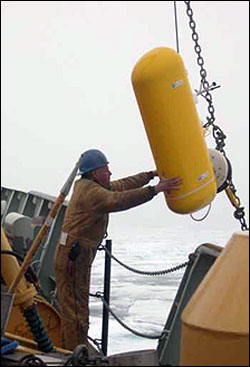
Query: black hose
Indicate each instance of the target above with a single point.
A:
(36, 325)
(13, 253)
(32, 316)
(30, 275)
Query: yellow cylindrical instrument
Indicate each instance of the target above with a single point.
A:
(173, 128)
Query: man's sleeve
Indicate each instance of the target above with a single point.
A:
(132, 182)
(106, 201)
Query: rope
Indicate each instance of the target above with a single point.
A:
(204, 217)
(150, 273)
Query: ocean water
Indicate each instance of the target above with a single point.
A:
(143, 302)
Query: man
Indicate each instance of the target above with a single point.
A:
(85, 225)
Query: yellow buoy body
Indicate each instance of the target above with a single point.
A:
(173, 128)
(215, 322)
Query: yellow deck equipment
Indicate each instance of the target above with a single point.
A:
(215, 322)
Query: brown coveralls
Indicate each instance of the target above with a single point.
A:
(86, 221)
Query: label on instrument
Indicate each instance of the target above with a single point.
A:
(177, 84)
(203, 175)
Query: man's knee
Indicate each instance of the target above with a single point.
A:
(75, 332)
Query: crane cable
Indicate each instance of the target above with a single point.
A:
(176, 28)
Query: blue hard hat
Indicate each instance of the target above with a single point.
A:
(92, 159)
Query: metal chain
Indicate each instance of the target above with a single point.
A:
(97, 342)
(218, 134)
(150, 273)
(206, 87)
(148, 336)
(239, 213)
(192, 257)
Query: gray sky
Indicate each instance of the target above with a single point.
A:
(66, 87)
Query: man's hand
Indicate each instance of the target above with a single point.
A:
(168, 184)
